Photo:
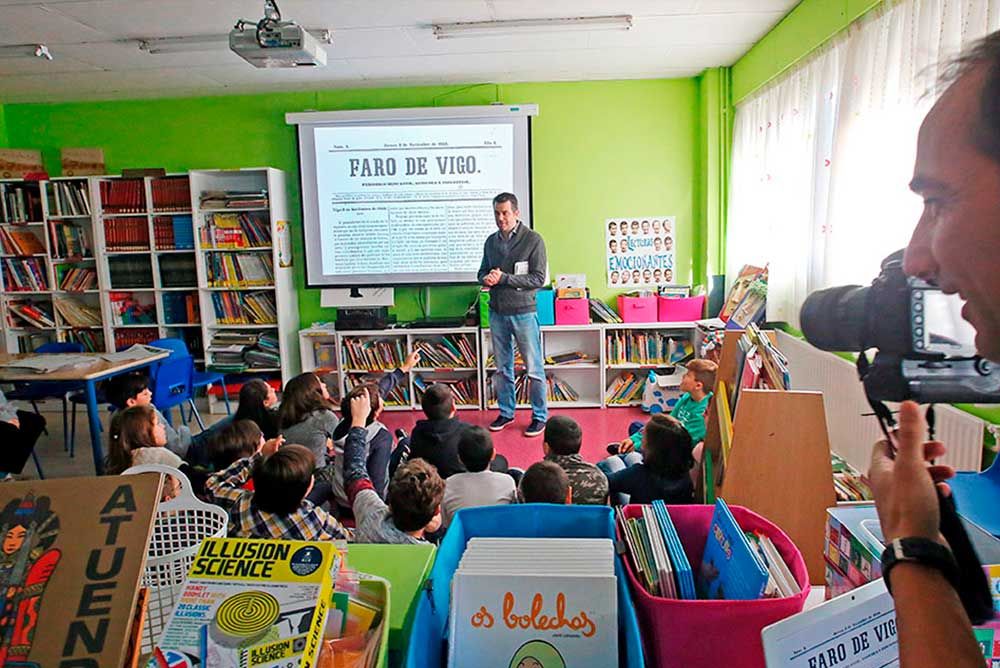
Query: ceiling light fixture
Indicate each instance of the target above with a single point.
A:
(575, 23)
(25, 51)
(194, 43)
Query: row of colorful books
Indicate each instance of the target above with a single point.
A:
(233, 199)
(171, 194)
(446, 351)
(232, 270)
(69, 198)
(25, 275)
(398, 396)
(21, 203)
(252, 308)
(68, 240)
(30, 313)
(849, 483)
(236, 351)
(173, 232)
(92, 340)
(127, 309)
(625, 389)
(736, 565)
(759, 365)
(126, 234)
(557, 389)
(180, 308)
(601, 312)
(373, 354)
(232, 230)
(78, 279)
(76, 313)
(465, 390)
(20, 242)
(126, 338)
(123, 196)
(646, 347)
(130, 271)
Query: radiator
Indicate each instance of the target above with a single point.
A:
(849, 422)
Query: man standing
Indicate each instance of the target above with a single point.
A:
(513, 268)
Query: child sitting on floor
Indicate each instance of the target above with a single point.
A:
(562, 441)
(545, 482)
(661, 473)
(257, 402)
(307, 418)
(132, 389)
(477, 486)
(413, 502)
(277, 507)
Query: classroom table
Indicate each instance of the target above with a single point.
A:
(406, 567)
(90, 374)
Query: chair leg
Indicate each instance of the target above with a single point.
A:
(197, 415)
(38, 464)
(34, 404)
(225, 397)
(72, 429)
(65, 425)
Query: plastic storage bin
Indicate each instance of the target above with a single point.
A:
(637, 309)
(428, 642)
(572, 311)
(546, 298)
(484, 309)
(681, 309)
(707, 634)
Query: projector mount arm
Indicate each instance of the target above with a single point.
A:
(272, 19)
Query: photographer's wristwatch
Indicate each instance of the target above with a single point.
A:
(921, 551)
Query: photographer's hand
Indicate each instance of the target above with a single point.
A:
(904, 487)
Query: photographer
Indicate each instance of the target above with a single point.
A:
(955, 245)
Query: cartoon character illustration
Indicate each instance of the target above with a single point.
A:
(28, 528)
(537, 654)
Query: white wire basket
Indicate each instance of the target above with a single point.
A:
(181, 524)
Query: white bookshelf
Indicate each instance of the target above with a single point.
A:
(590, 379)
(338, 366)
(211, 250)
(637, 366)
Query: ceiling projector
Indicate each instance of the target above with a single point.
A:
(272, 42)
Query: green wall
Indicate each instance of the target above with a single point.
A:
(3, 128)
(804, 29)
(599, 149)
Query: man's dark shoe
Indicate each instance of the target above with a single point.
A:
(500, 423)
(536, 428)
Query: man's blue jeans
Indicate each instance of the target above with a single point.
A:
(523, 327)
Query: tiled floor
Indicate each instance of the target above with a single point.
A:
(599, 428)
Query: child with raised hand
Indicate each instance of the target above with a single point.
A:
(545, 482)
(132, 389)
(413, 503)
(477, 486)
(278, 506)
(257, 402)
(664, 470)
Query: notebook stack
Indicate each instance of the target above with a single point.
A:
(535, 601)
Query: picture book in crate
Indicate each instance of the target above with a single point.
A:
(535, 603)
(253, 603)
(71, 560)
(730, 568)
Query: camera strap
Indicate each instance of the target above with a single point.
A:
(973, 588)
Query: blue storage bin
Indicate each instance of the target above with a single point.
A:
(546, 306)
(429, 635)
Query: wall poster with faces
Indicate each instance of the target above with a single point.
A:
(640, 251)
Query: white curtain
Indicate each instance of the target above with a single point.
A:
(822, 157)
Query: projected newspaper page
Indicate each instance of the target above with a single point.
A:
(409, 200)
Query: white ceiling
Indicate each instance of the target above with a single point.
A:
(375, 43)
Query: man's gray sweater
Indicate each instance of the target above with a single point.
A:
(522, 260)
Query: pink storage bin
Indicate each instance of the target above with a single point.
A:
(572, 312)
(637, 309)
(707, 634)
(681, 309)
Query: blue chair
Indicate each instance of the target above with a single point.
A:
(171, 380)
(199, 379)
(977, 496)
(35, 392)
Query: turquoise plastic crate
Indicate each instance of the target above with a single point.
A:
(428, 639)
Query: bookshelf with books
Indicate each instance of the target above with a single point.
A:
(20, 202)
(632, 349)
(247, 303)
(448, 355)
